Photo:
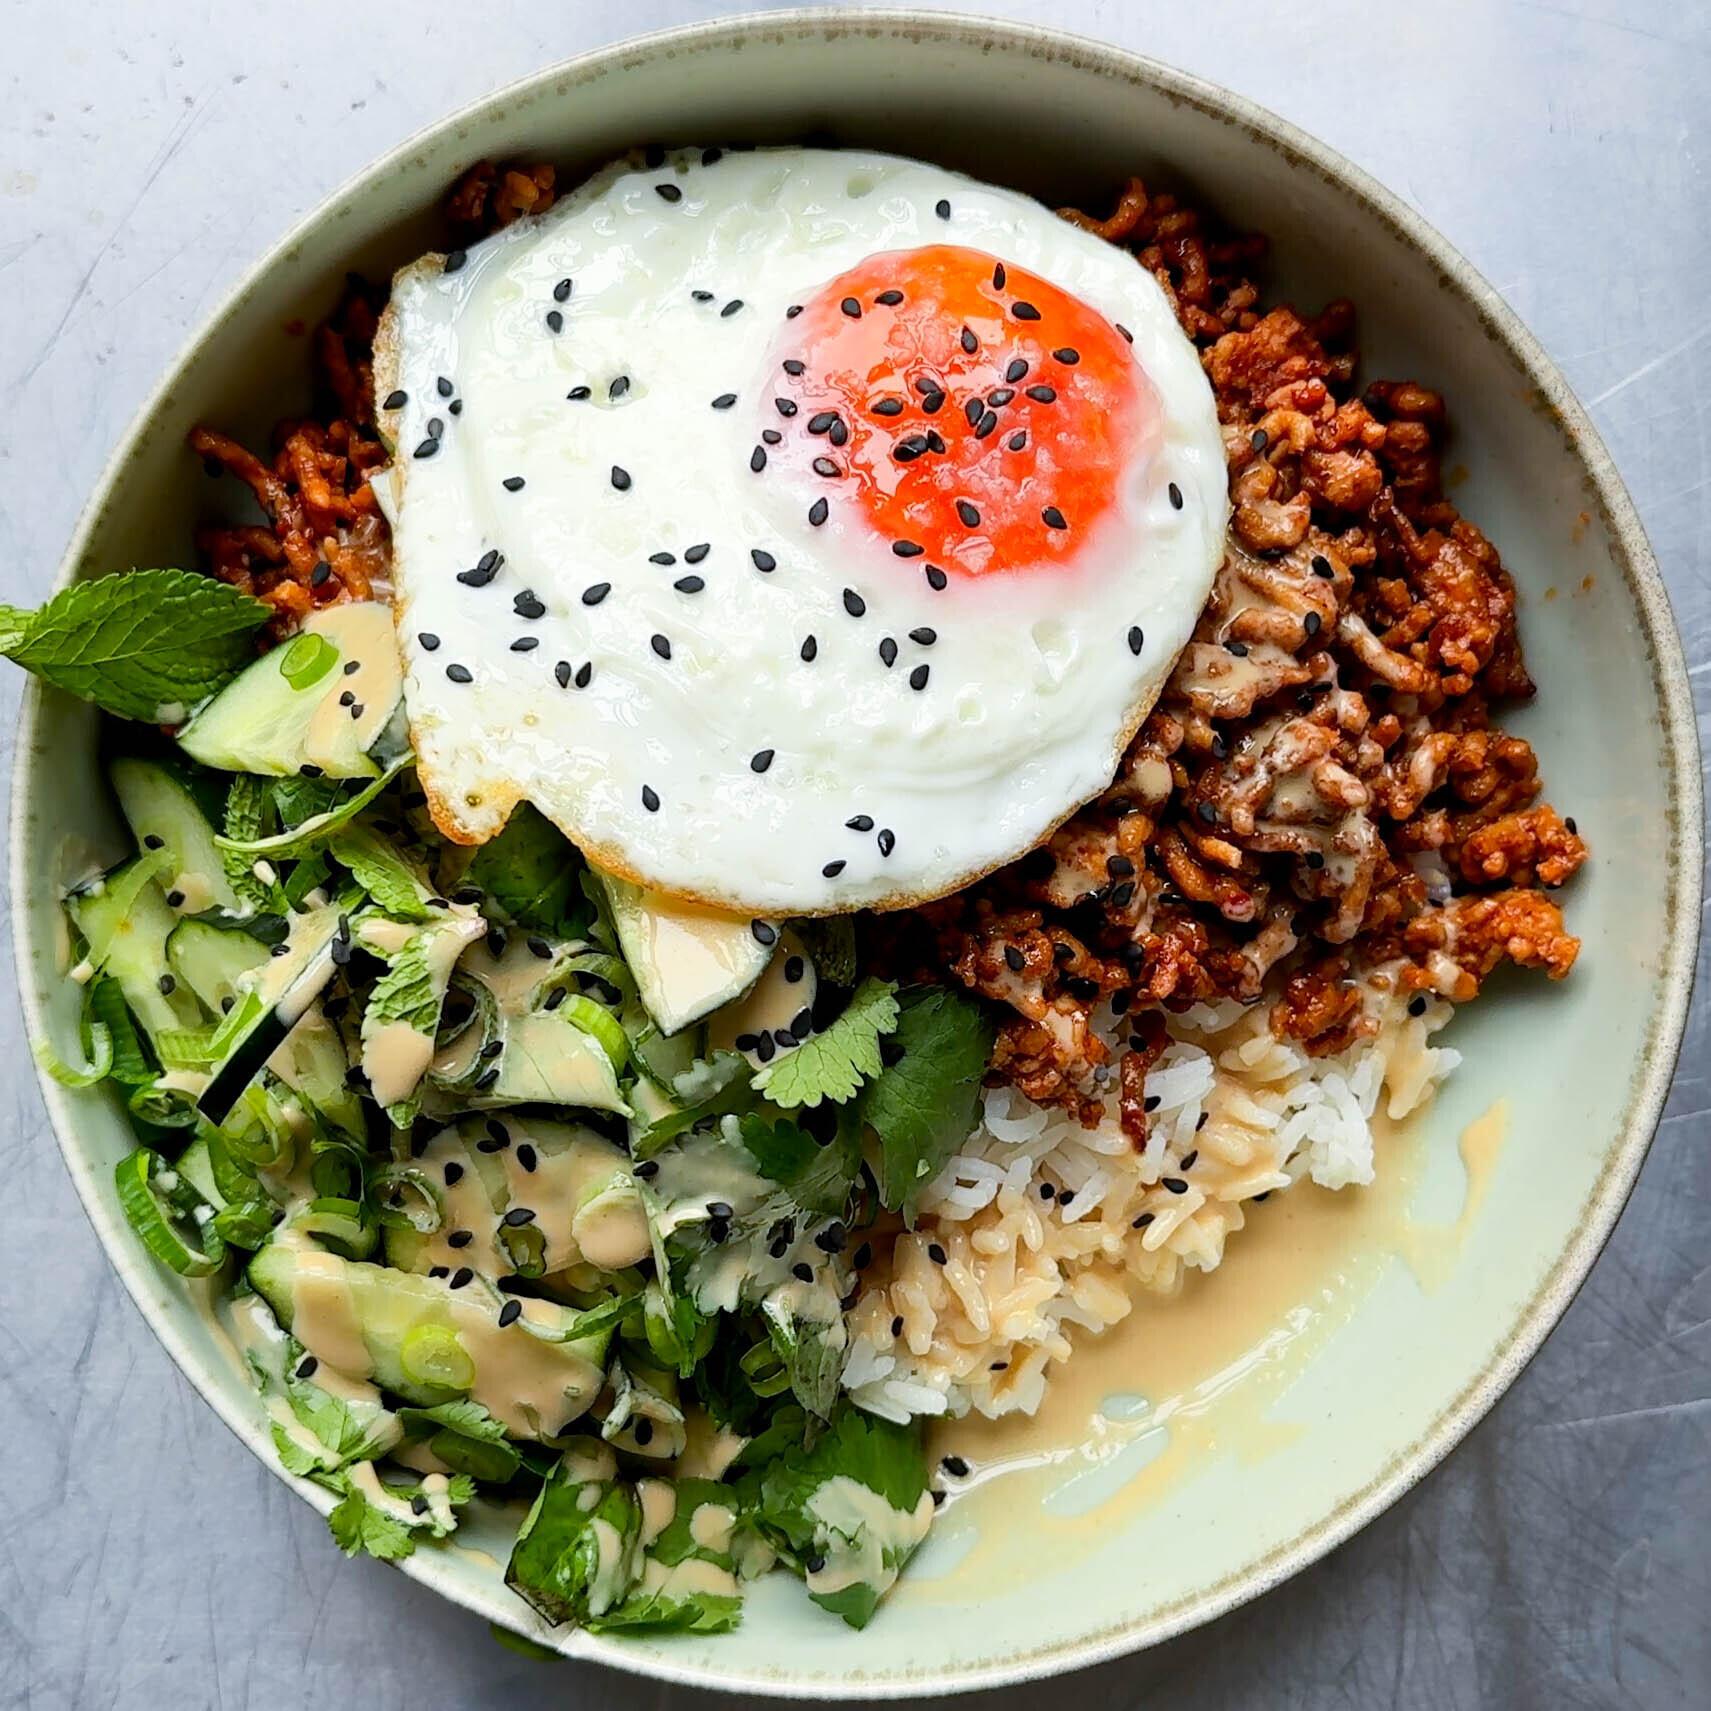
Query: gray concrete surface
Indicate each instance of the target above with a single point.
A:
(1561, 1558)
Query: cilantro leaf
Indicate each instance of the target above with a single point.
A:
(818, 1177)
(531, 871)
(810, 1346)
(795, 1498)
(358, 1526)
(834, 1063)
(146, 645)
(465, 1437)
(922, 1104)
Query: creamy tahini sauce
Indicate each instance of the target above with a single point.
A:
(773, 1002)
(1186, 1378)
(861, 1537)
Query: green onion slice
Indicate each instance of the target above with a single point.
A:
(75, 1075)
(176, 1224)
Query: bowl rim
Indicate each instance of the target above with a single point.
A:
(1631, 554)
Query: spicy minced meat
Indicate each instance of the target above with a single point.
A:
(1320, 792)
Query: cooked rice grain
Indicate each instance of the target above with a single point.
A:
(1022, 1268)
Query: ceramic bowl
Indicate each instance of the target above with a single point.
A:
(1584, 1066)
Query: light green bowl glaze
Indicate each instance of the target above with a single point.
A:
(1585, 1065)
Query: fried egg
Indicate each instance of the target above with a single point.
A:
(800, 530)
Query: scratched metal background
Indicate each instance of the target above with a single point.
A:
(1561, 1558)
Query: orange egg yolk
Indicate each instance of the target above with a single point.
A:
(973, 416)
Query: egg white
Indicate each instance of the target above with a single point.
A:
(1033, 689)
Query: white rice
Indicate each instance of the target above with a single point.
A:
(1239, 1113)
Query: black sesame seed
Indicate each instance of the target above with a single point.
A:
(1137, 639)
(1141, 1222)
(555, 321)
(1024, 311)
(1068, 355)
(818, 512)
(577, 393)
(512, 484)
(943, 209)
(526, 605)
(461, 1277)
(167, 984)
(887, 841)
(525, 644)
(888, 407)
(460, 1238)
(1322, 567)
(937, 1254)
(860, 823)
(1207, 813)
(999, 396)
(757, 459)
(395, 400)
(771, 436)
(824, 466)
(731, 308)
(583, 673)
(762, 559)
(455, 260)
(936, 579)
(650, 799)
(1258, 439)
(561, 291)
(955, 1466)
(986, 425)
(620, 478)
(851, 308)
(510, 1313)
(794, 365)
(644, 1431)
(724, 401)
(319, 575)
(832, 869)
(595, 592)
(660, 645)
(426, 448)
(1017, 440)
(854, 604)
(1176, 1185)
(455, 408)
(973, 410)
(1239, 649)
(517, 1217)
(459, 673)
(969, 342)
(932, 402)
(786, 407)
(1043, 394)
(935, 442)
(154, 842)
(1013, 959)
(969, 516)
(809, 649)
(907, 549)
(760, 760)
(669, 192)
(1127, 337)
(822, 423)
(1175, 497)
(889, 298)
(793, 311)
(766, 1048)
(662, 558)
(1312, 623)
(647, 1169)
(689, 584)
(888, 650)
(1417, 1004)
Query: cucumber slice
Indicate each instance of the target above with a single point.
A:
(687, 960)
(549, 1062)
(127, 922)
(521, 1373)
(266, 1012)
(163, 814)
(212, 961)
(286, 710)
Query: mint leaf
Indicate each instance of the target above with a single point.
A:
(381, 872)
(922, 1105)
(531, 871)
(410, 992)
(145, 645)
(307, 835)
(245, 818)
(835, 1062)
